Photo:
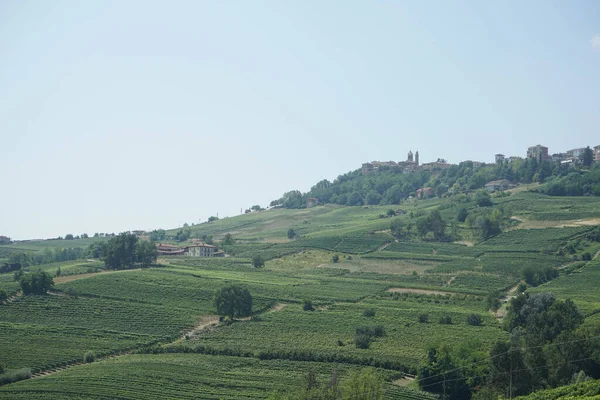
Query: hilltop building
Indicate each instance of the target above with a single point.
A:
(501, 184)
(575, 154)
(439, 164)
(424, 193)
(538, 152)
(597, 153)
(411, 163)
(499, 158)
(312, 202)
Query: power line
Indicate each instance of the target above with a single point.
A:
(507, 352)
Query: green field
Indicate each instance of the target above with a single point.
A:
(144, 314)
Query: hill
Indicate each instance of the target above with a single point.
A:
(417, 273)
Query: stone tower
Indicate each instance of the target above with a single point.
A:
(417, 158)
(410, 156)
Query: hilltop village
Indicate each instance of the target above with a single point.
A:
(538, 152)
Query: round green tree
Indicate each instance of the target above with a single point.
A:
(233, 301)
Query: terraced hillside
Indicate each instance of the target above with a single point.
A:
(155, 334)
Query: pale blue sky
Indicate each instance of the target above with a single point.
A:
(119, 115)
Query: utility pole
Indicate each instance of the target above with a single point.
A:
(444, 386)
(510, 376)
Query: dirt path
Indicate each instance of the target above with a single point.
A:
(510, 294)
(541, 224)
(465, 243)
(69, 278)
(203, 324)
(417, 291)
(450, 281)
(384, 246)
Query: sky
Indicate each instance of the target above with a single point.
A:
(122, 115)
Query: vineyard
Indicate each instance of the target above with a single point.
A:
(343, 261)
(186, 376)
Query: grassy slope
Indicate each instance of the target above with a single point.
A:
(121, 311)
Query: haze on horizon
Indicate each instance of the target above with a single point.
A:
(140, 115)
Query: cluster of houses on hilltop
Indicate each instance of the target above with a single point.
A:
(196, 249)
(541, 153)
(538, 152)
(410, 165)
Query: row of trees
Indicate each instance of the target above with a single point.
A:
(125, 250)
(25, 259)
(363, 384)
(547, 347)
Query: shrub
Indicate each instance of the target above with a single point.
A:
(3, 297)
(462, 215)
(307, 305)
(586, 257)
(362, 341)
(369, 312)
(377, 330)
(521, 288)
(340, 343)
(71, 292)
(446, 320)
(423, 318)
(89, 357)
(335, 258)
(474, 319)
(14, 376)
(391, 213)
(258, 261)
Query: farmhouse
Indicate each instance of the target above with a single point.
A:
(200, 250)
(424, 193)
(501, 184)
(165, 249)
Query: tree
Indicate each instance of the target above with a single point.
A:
(462, 215)
(335, 258)
(398, 228)
(3, 297)
(291, 234)
(69, 236)
(233, 301)
(146, 253)
(120, 251)
(84, 236)
(363, 385)
(38, 282)
(483, 199)
(258, 261)
(474, 319)
(436, 224)
(256, 208)
(158, 235)
(587, 158)
(307, 305)
(213, 218)
(182, 235)
(228, 239)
